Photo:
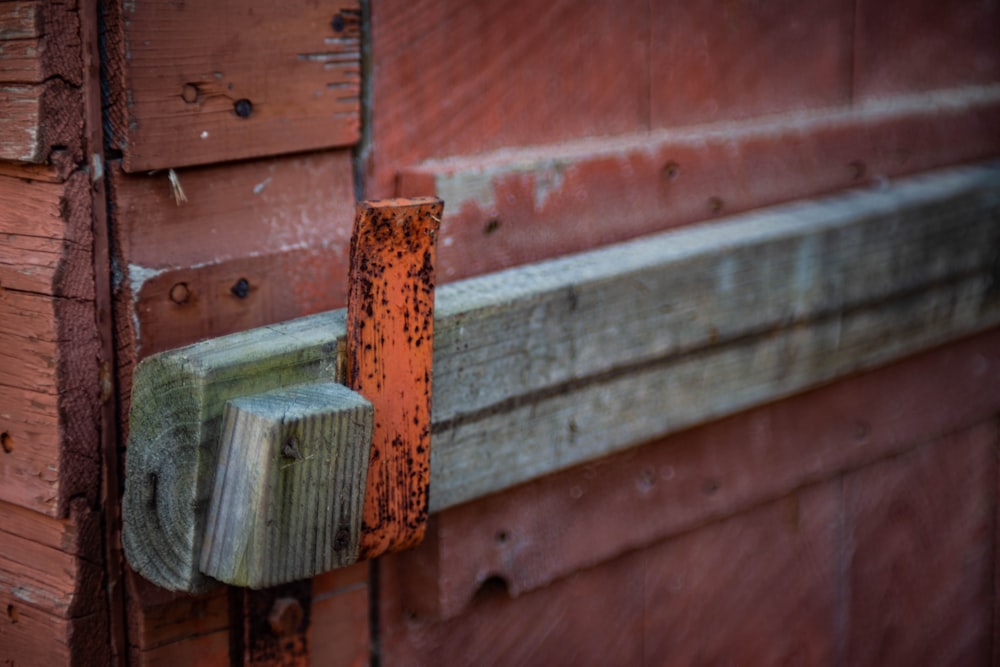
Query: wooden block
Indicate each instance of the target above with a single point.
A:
(556, 73)
(701, 474)
(516, 206)
(390, 341)
(710, 63)
(907, 45)
(920, 564)
(295, 353)
(288, 80)
(289, 489)
(719, 318)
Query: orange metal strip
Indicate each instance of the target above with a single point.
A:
(390, 329)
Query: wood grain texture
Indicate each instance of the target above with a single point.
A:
(390, 342)
(920, 530)
(289, 490)
(48, 237)
(554, 364)
(41, 106)
(431, 60)
(159, 493)
(520, 205)
(288, 80)
(701, 474)
(49, 401)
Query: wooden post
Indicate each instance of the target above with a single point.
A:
(390, 330)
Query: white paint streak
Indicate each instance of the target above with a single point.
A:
(257, 189)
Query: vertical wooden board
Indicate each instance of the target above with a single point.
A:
(756, 588)
(338, 634)
(232, 211)
(158, 619)
(919, 549)
(208, 650)
(711, 62)
(285, 79)
(504, 74)
(907, 45)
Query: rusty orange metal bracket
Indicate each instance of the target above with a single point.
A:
(390, 336)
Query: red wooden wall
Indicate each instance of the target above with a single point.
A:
(855, 524)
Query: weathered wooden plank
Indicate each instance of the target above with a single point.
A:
(701, 474)
(49, 412)
(288, 80)
(620, 345)
(390, 341)
(31, 637)
(290, 486)
(515, 206)
(338, 633)
(35, 118)
(48, 237)
(40, 40)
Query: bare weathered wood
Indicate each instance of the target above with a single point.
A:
(287, 80)
(545, 366)
(390, 341)
(289, 489)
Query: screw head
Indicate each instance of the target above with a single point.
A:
(243, 108)
(241, 288)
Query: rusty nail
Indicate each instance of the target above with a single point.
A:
(180, 293)
(241, 288)
(285, 616)
(337, 23)
(190, 93)
(243, 108)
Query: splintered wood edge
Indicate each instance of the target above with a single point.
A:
(390, 328)
(289, 489)
(716, 318)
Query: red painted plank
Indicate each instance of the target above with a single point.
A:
(713, 471)
(712, 61)
(911, 45)
(463, 77)
(754, 589)
(514, 207)
(919, 543)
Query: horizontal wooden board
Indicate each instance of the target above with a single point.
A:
(40, 40)
(287, 80)
(47, 237)
(31, 637)
(541, 368)
(702, 474)
(35, 118)
(515, 206)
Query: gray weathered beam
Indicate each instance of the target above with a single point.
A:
(541, 367)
